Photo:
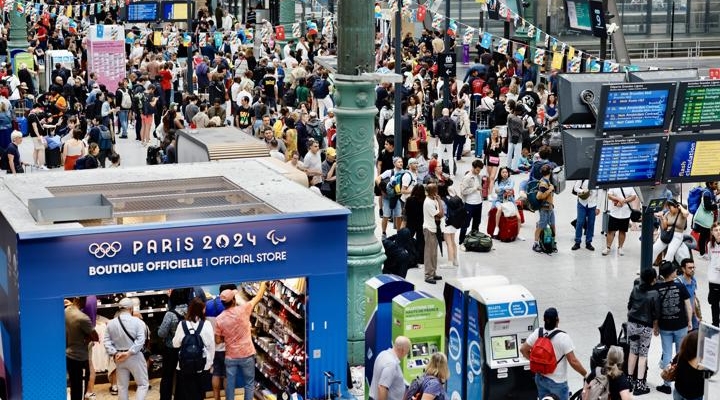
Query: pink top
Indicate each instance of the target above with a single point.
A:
(234, 326)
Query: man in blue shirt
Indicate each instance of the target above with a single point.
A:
(687, 266)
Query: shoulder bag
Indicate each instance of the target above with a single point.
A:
(635, 215)
(669, 373)
(666, 235)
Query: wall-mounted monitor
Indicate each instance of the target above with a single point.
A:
(143, 11)
(698, 106)
(578, 152)
(504, 347)
(632, 108)
(177, 11)
(627, 161)
(692, 158)
(576, 91)
(667, 75)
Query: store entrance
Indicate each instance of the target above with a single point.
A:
(278, 330)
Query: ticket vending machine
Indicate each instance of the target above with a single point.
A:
(457, 298)
(500, 318)
(420, 317)
(379, 293)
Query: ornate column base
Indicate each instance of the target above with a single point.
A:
(355, 111)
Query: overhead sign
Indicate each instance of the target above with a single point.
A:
(448, 62)
(599, 28)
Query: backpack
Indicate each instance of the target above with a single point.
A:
(477, 86)
(547, 242)
(695, 196)
(394, 185)
(104, 138)
(190, 357)
(320, 89)
(80, 163)
(315, 132)
(446, 134)
(456, 213)
(417, 388)
(599, 389)
(126, 102)
(542, 354)
(532, 192)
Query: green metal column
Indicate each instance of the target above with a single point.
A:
(355, 111)
(18, 32)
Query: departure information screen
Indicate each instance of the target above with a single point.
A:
(693, 158)
(698, 106)
(636, 107)
(142, 12)
(627, 161)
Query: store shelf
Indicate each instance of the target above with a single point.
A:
(147, 293)
(285, 306)
(273, 380)
(286, 329)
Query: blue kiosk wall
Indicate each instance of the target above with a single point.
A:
(57, 264)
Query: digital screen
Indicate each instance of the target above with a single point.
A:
(627, 161)
(698, 106)
(693, 158)
(636, 107)
(420, 349)
(504, 347)
(175, 11)
(578, 14)
(142, 12)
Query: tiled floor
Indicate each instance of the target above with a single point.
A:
(583, 285)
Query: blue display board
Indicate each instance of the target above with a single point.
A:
(114, 259)
(475, 354)
(142, 11)
(456, 334)
(698, 106)
(632, 108)
(627, 161)
(177, 10)
(692, 158)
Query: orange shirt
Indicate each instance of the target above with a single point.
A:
(234, 326)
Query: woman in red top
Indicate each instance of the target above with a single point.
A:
(166, 81)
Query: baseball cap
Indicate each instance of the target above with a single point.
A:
(330, 152)
(227, 295)
(550, 314)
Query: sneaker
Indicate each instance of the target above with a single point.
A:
(536, 248)
(462, 247)
(90, 396)
(606, 251)
(114, 390)
(576, 246)
(589, 246)
(664, 389)
(620, 251)
(455, 263)
(437, 277)
(641, 388)
(430, 281)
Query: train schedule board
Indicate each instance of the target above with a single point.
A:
(635, 108)
(698, 106)
(627, 161)
(176, 11)
(143, 11)
(692, 158)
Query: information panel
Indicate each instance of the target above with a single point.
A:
(176, 11)
(693, 158)
(627, 161)
(578, 14)
(142, 11)
(698, 106)
(636, 107)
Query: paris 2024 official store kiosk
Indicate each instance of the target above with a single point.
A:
(504, 317)
(157, 227)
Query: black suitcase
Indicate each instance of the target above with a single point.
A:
(52, 158)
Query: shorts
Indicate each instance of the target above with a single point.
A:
(642, 335)
(219, 364)
(547, 217)
(147, 119)
(38, 143)
(615, 224)
(394, 212)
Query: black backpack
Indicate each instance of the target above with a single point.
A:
(456, 212)
(191, 358)
(446, 134)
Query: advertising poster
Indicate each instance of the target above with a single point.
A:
(23, 58)
(107, 60)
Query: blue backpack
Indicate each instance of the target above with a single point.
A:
(104, 138)
(695, 197)
(395, 184)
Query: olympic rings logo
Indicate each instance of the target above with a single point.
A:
(105, 249)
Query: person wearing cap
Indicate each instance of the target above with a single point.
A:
(233, 328)
(329, 176)
(554, 383)
(78, 332)
(124, 340)
(675, 319)
(675, 220)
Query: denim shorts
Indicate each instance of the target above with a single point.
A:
(547, 217)
(394, 212)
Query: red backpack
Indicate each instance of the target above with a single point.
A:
(542, 354)
(477, 86)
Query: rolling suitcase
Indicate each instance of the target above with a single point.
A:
(52, 157)
(509, 226)
(485, 187)
(22, 123)
(480, 136)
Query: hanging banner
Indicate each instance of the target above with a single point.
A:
(280, 32)
(557, 61)
(574, 65)
(539, 58)
(486, 42)
(502, 46)
(592, 65)
(520, 54)
(421, 13)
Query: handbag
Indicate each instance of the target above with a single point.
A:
(666, 236)
(493, 160)
(635, 215)
(509, 209)
(670, 372)
(413, 144)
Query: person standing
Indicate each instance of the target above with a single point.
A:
(554, 383)
(546, 194)
(713, 274)
(432, 212)
(168, 327)
(471, 191)
(445, 130)
(587, 211)
(619, 217)
(14, 164)
(516, 132)
(124, 341)
(643, 312)
(687, 277)
(675, 318)
(689, 377)
(190, 384)
(78, 331)
(388, 382)
(232, 327)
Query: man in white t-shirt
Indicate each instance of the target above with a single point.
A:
(432, 210)
(313, 164)
(408, 181)
(554, 383)
(618, 202)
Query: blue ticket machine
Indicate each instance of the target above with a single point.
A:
(500, 318)
(379, 293)
(457, 297)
